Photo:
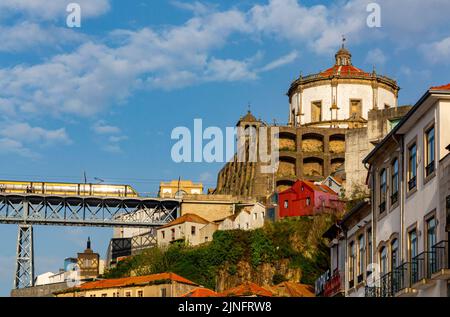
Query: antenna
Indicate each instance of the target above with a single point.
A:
(85, 177)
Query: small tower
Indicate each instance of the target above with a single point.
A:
(343, 56)
(89, 262)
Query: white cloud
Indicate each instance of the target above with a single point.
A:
(111, 136)
(437, 52)
(279, 62)
(27, 35)
(100, 127)
(25, 133)
(54, 9)
(195, 7)
(8, 146)
(99, 74)
(228, 70)
(376, 57)
(21, 138)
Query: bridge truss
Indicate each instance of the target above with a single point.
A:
(27, 210)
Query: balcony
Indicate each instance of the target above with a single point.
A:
(334, 287)
(394, 198)
(440, 265)
(402, 281)
(395, 283)
(421, 268)
(412, 183)
(382, 207)
(430, 169)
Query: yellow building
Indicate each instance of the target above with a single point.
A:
(179, 188)
(156, 285)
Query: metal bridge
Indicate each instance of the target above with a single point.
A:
(27, 210)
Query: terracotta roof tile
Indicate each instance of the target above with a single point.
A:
(343, 71)
(444, 87)
(134, 280)
(247, 289)
(186, 218)
(201, 292)
(291, 289)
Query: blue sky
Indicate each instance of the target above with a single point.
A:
(105, 97)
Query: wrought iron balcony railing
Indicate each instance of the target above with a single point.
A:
(412, 183)
(441, 257)
(430, 169)
(421, 266)
(394, 198)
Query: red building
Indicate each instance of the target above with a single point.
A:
(307, 198)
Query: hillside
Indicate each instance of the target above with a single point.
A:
(291, 249)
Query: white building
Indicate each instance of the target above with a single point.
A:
(249, 218)
(409, 216)
(339, 95)
(191, 228)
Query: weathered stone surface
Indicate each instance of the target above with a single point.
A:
(262, 275)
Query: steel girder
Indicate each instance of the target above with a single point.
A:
(24, 276)
(87, 211)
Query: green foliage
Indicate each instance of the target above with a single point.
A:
(296, 239)
(278, 278)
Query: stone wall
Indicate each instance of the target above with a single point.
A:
(39, 291)
(357, 147)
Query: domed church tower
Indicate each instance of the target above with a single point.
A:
(340, 96)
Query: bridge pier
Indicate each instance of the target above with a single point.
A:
(24, 276)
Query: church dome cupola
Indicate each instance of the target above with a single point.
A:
(343, 56)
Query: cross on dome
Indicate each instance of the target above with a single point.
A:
(343, 56)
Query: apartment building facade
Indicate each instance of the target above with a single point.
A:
(408, 180)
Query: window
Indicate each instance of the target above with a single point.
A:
(206, 239)
(128, 294)
(255, 216)
(394, 182)
(173, 234)
(431, 233)
(412, 241)
(163, 292)
(412, 167)
(193, 230)
(316, 111)
(383, 189)
(394, 255)
(361, 257)
(351, 264)
(383, 261)
(430, 152)
(140, 293)
(308, 201)
(355, 108)
(163, 234)
(286, 204)
(104, 295)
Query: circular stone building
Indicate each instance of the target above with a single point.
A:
(335, 118)
(340, 96)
